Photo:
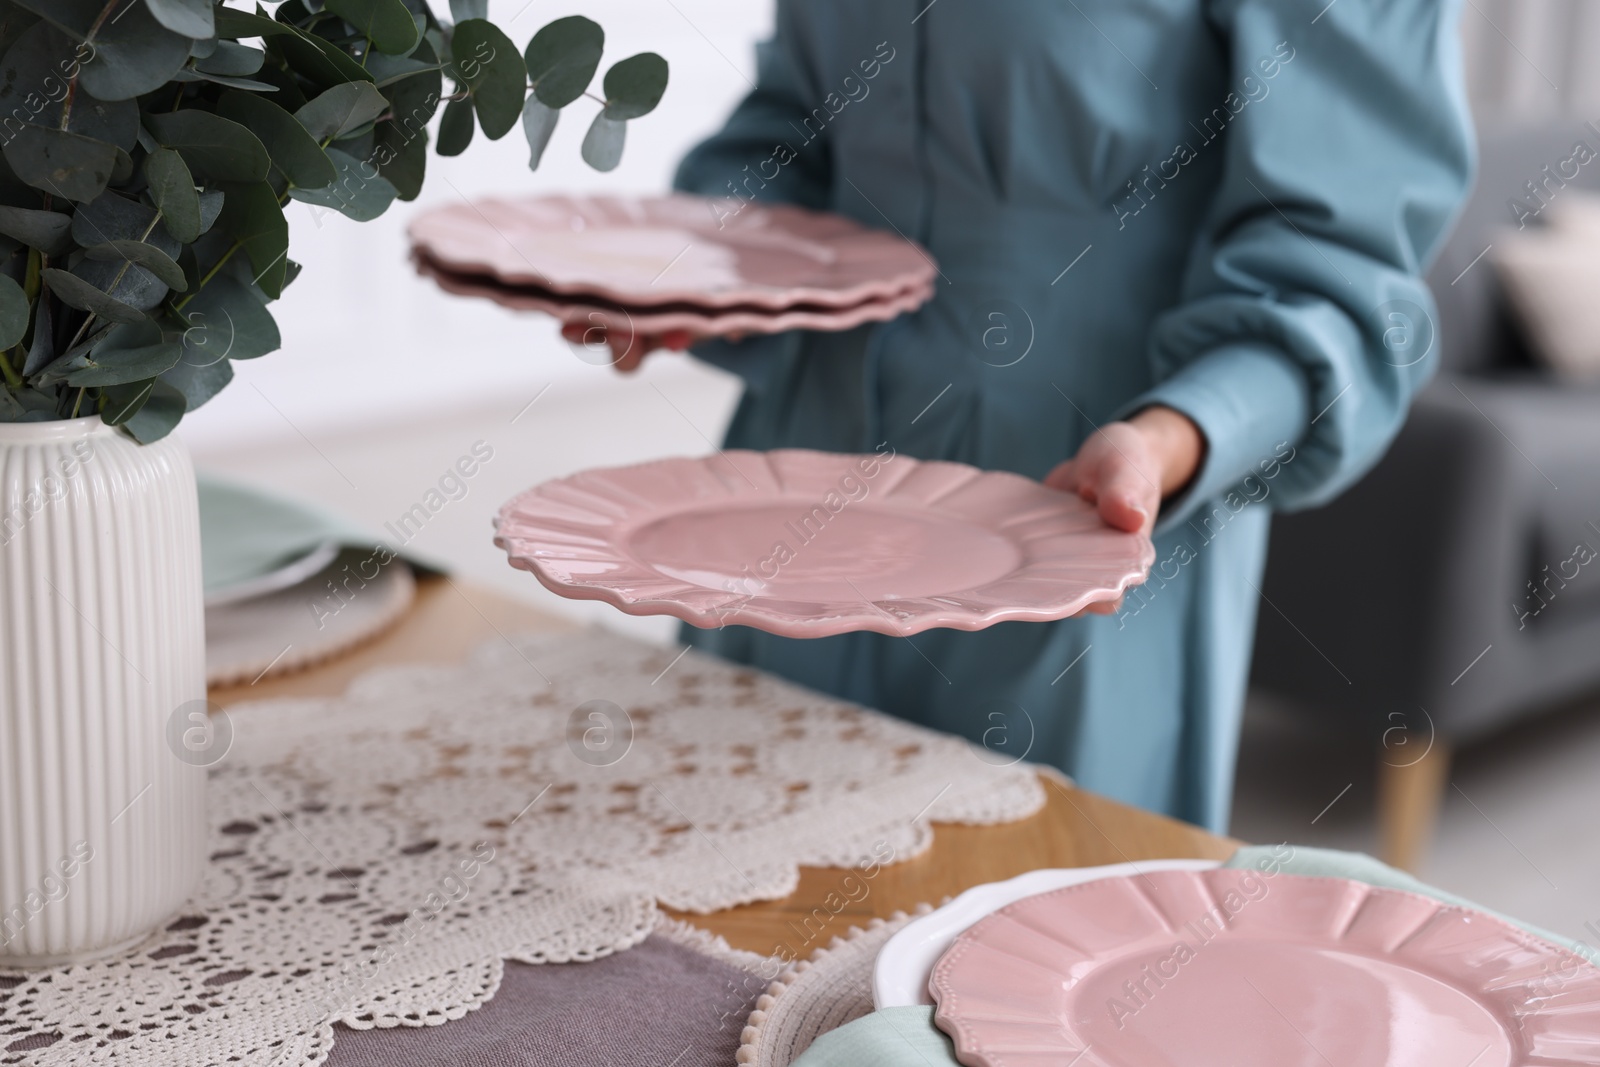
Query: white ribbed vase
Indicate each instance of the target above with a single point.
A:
(102, 641)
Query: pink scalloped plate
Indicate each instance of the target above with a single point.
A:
(615, 320)
(1238, 968)
(811, 544)
(645, 251)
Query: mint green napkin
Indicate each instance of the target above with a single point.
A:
(907, 1037)
(1359, 867)
(246, 533)
(891, 1037)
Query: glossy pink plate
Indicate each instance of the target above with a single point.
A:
(810, 544)
(613, 320)
(1236, 968)
(645, 251)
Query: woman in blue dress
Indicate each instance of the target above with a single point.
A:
(1179, 247)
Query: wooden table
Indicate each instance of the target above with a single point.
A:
(1075, 829)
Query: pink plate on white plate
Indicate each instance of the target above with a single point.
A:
(613, 320)
(644, 251)
(905, 962)
(810, 544)
(1235, 968)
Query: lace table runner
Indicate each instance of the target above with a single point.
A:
(377, 856)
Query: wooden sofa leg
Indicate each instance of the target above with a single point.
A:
(1410, 790)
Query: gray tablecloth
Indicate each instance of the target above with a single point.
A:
(657, 1005)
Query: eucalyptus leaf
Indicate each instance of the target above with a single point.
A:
(14, 21)
(635, 86)
(485, 60)
(295, 153)
(462, 10)
(129, 353)
(252, 216)
(122, 280)
(602, 145)
(341, 109)
(65, 164)
(133, 55)
(159, 415)
(76, 356)
(233, 24)
(171, 186)
(456, 128)
(189, 74)
(361, 192)
(36, 79)
(14, 313)
(226, 321)
(122, 169)
(73, 16)
(386, 23)
(198, 384)
(148, 256)
(538, 122)
(37, 405)
(119, 403)
(116, 216)
(42, 349)
(48, 231)
(232, 59)
(211, 145)
(402, 159)
(414, 100)
(77, 293)
(562, 58)
(192, 18)
(211, 202)
(321, 61)
(386, 70)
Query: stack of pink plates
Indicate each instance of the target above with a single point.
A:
(1175, 963)
(653, 265)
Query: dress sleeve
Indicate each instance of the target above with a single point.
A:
(749, 158)
(1304, 327)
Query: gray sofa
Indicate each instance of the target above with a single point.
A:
(1415, 584)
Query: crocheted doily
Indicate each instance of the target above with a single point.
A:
(817, 995)
(377, 856)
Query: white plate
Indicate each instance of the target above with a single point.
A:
(290, 574)
(900, 975)
(307, 623)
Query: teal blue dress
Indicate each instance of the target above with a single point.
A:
(1223, 206)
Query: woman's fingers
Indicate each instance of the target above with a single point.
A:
(1127, 496)
(1064, 477)
(628, 350)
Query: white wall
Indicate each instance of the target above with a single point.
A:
(366, 341)
(1533, 57)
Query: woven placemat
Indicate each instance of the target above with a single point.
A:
(310, 622)
(816, 995)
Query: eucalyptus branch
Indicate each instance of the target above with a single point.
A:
(13, 379)
(191, 145)
(178, 306)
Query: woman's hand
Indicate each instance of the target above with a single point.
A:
(1127, 468)
(628, 349)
